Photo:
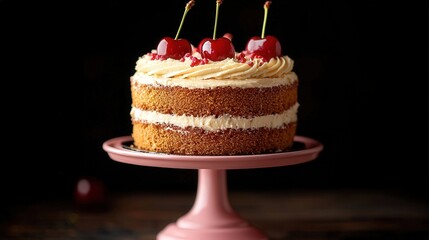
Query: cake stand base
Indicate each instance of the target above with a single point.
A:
(211, 217)
(173, 232)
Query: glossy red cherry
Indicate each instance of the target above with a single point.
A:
(173, 48)
(267, 48)
(216, 49)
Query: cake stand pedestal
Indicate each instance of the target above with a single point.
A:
(211, 216)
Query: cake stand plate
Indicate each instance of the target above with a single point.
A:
(211, 216)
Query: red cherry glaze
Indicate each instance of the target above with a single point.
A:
(267, 48)
(171, 48)
(216, 49)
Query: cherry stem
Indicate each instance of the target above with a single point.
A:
(188, 6)
(266, 6)
(218, 3)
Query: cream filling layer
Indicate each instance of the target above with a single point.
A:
(213, 123)
(158, 81)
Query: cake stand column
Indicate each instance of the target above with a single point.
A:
(211, 217)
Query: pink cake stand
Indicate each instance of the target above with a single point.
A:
(211, 216)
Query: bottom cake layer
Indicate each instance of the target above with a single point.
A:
(193, 141)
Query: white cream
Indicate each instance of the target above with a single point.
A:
(213, 123)
(241, 71)
(288, 79)
(230, 68)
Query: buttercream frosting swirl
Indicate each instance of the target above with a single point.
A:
(230, 68)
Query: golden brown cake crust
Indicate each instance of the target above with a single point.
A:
(193, 141)
(245, 102)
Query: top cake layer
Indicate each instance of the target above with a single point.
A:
(241, 87)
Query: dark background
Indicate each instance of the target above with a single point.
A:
(65, 82)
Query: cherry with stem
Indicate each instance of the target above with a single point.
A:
(265, 47)
(175, 48)
(216, 49)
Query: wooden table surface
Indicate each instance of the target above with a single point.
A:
(287, 214)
